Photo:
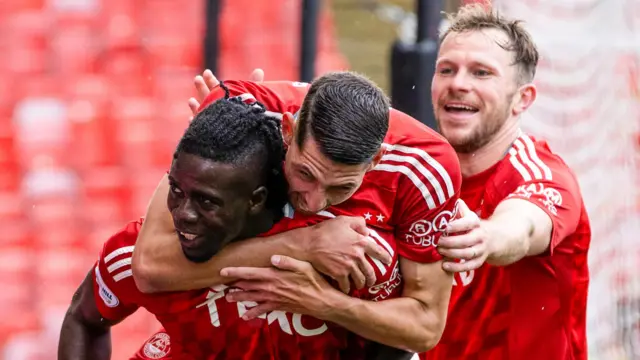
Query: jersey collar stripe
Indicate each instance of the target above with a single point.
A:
(119, 264)
(429, 160)
(117, 252)
(517, 165)
(534, 156)
(522, 152)
(123, 275)
(414, 179)
(426, 173)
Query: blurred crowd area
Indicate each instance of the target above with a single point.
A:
(93, 100)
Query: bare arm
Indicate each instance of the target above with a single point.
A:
(85, 334)
(413, 322)
(336, 247)
(517, 229)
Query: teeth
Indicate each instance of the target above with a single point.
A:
(461, 107)
(188, 236)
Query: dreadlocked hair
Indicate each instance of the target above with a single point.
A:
(232, 132)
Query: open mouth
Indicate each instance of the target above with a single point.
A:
(460, 108)
(187, 239)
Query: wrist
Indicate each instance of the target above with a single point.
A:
(338, 307)
(297, 243)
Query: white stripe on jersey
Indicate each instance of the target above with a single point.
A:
(124, 263)
(120, 251)
(523, 153)
(118, 264)
(425, 165)
(122, 275)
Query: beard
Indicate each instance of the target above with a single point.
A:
(482, 134)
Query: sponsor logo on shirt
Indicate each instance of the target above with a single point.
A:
(423, 232)
(107, 296)
(548, 196)
(385, 289)
(158, 346)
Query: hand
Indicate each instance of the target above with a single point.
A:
(207, 81)
(291, 285)
(337, 248)
(465, 240)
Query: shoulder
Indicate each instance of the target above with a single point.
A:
(420, 157)
(115, 259)
(530, 159)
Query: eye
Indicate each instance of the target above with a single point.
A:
(208, 204)
(481, 73)
(174, 189)
(305, 175)
(445, 71)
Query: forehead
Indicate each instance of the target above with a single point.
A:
(311, 158)
(195, 172)
(481, 46)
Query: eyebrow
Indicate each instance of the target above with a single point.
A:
(198, 192)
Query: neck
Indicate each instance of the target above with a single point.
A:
(258, 224)
(491, 153)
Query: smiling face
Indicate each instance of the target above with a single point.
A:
(475, 90)
(210, 203)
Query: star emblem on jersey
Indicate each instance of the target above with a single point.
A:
(367, 216)
(380, 218)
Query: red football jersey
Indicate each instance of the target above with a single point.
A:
(201, 324)
(535, 308)
(412, 192)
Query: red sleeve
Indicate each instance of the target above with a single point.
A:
(427, 196)
(555, 190)
(276, 96)
(115, 290)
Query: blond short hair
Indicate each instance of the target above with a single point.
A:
(474, 17)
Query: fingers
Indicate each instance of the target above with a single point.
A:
(452, 266)
(290, 264)
(466, 253)
(194, 105)
(210, 80)
(358, 224)
(202, 89)
(255, 296)
(357, 275)
(463, 209)
(366, 272)
(458, 241)
(376, 251)
(343, 283)
(257, 75)
(247, 273)
(259, 311)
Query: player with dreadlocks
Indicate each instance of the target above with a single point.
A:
(226, 185)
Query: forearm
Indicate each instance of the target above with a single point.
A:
(403, 323)
(163, 267)
(79, 341)
(509, 241)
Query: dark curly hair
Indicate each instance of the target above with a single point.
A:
(233, 132)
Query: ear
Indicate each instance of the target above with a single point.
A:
(377, 158)
(524, 98)
(258, 200)
(288, 127)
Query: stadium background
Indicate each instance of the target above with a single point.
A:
(93, 99)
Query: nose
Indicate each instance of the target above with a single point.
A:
(186, 213)
(315, 200)
(460, 82)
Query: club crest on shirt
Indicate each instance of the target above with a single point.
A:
(158, 346)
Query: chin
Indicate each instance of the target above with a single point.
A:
(198, 256)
